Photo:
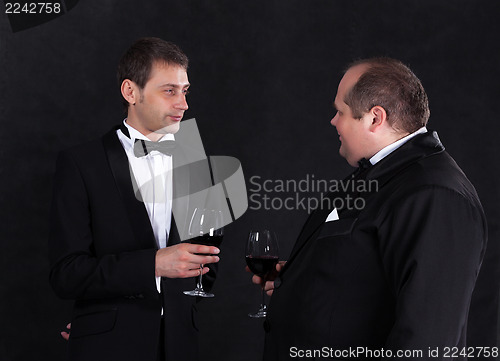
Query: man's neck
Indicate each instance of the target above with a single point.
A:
(154, 137)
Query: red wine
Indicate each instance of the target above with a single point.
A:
(262, 265)
(207, 240)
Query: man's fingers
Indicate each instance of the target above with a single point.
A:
(199, 248)
(65, 334)
(280, 265)
(183, 261)
(199, 259)
(269, 285)
(196, 272)
(257, 280)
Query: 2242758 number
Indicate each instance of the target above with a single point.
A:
(32, 8)
(470, 352)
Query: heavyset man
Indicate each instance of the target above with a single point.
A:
(398, 274)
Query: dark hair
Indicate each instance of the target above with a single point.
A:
(392, 85)
(137, 62)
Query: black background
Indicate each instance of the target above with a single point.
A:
(263, 74)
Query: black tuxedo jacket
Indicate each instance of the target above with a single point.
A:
(397, 274)
(102, 254)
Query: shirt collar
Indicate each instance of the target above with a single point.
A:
(384, 152)
(135, 134)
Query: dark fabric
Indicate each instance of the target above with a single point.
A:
(102, 254)
(397, 274)
(161, 344)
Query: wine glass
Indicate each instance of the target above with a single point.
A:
(205, 228)
(262, 256)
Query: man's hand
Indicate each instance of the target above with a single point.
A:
(65, 334)
(183, 260)
(268, 283)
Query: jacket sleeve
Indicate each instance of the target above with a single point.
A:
(76, 272)
(432, 244)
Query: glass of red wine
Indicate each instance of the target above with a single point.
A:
(205, 228)
(262, 256)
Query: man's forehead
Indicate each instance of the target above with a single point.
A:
(352, 74)
(171, 74)
(160, 64)
(350, 78)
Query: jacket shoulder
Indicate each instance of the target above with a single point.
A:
(439, 171)
(91, 149)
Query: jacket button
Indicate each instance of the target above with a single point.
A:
(277, 282)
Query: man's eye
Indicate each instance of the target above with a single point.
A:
(169, 91)
(186, 91)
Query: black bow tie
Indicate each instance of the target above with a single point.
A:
(144, 147)
(363, 164)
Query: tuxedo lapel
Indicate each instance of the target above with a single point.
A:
(314, 222)
(318, 218)
(137, 214)
(173, 235)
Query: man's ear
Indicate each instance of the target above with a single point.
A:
(130, 91)
(378, 117)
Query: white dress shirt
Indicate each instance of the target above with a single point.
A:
(153, 176)
(384, 152)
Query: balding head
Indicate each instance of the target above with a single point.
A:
(392, 85)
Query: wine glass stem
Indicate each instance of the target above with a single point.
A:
(200, 285)
(263, 304)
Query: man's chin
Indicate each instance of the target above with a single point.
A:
(169, 129)
(349, 160)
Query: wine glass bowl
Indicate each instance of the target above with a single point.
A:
(205, 228)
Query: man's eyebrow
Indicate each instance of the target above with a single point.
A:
(171, 85)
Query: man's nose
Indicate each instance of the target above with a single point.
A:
(334, 119)
(183, 103)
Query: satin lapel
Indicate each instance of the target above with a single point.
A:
(137, 214)
(314, 222)
(173, 235)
